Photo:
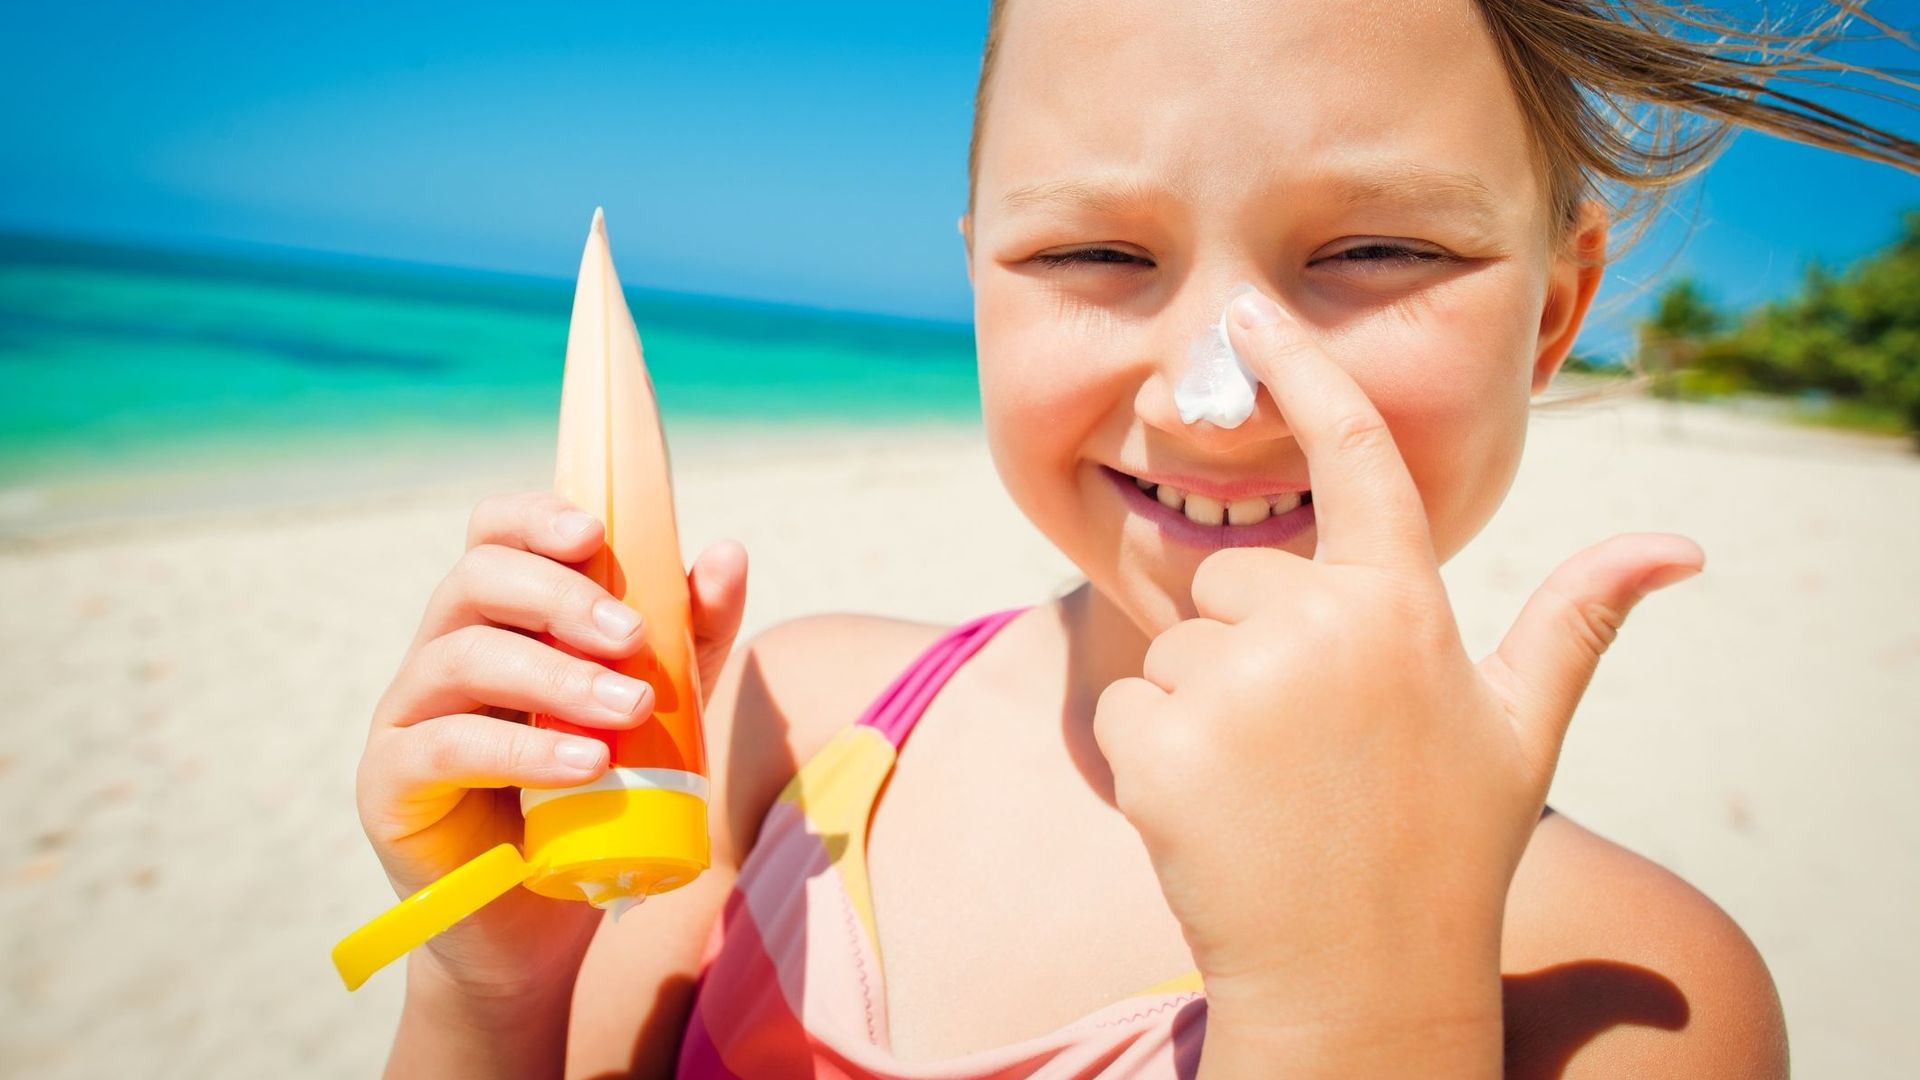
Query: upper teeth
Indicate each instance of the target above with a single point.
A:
(1210, 511)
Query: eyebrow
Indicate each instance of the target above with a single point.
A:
(1407, 183)
(1410, 183)
(1112, 196)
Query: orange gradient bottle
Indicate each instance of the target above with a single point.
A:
(641, 828)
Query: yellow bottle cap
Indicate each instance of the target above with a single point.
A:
(406, 925)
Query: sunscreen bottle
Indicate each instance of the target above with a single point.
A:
(641, 828)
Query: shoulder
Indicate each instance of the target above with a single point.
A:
(781, 694)
(1616, 966)
(787, 690)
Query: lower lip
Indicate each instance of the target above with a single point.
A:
(1177, 527)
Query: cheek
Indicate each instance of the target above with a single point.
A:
(1046, 380)
(1452, 381)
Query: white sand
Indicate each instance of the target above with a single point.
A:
(189, 700)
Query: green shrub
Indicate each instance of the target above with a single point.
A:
(1854, 335)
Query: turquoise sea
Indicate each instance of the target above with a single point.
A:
(115, 358)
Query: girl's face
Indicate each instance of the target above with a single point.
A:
(1365, 162)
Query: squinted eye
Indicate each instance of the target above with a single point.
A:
(1105, 256)
(1366, 257)
(1371, 255)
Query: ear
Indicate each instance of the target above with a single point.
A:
(1570, 288)
(965, 225)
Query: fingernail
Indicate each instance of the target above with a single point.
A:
(1253, 309)
(616, 619)
(582, 754)
(617, 691)
(572, 524)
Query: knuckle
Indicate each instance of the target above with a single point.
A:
(566, 679)
(1594, 623)
(1112, 712)
(1214, 578)
(368, 809)
(521, 753)
(1357, 432)
(534, 502)
(471, 568)
(549, 503)
(448, 749)
(540, 511)
(367, 777)
(447, 593)
(564, 592)
(383, 710)
(1603, 622)
(1157, 666)
(1316, 607)
(1247, 667)
(1110, 698)
(489, 509)
(458, 653)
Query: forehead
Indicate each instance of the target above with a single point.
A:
(1222, 100)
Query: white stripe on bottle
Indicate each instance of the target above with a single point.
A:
(620, 779)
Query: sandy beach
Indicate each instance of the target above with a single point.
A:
(192, 691)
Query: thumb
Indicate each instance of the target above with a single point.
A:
(717, 598)
(1548, 657)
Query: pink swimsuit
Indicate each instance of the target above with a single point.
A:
(792, 984)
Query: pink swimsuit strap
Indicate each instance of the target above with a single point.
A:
(792, 981)
(899, 706)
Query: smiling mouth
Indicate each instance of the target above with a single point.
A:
(1207, 510)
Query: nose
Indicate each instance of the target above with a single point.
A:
(1183, 327)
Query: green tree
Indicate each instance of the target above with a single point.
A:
(1684, 318)
(1854, 334)
(1684, 312)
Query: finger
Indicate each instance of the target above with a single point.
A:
(505, 586)
(1230, 584)
(1549, 655)
(447, 754)
(1365, 505)
(1181, 650)
(486, 665)
(717, 595)
(537, 521)
(1120, 717)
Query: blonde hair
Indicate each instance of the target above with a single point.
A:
(1625, 99)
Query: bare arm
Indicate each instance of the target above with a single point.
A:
(1617, 967)
(447, 1031)
(436, 783)
(1614, 967)
(630, 1002)
(620, 1011)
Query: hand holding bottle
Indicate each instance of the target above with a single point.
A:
(445, 754)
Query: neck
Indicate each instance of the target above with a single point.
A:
(1101, 644)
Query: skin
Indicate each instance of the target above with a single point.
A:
(1078, 362)
(1398, 390)
(1272, 167)
(444, 753)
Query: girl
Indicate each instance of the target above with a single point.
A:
(1239, 805)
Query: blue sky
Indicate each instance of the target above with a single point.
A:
(806, 153)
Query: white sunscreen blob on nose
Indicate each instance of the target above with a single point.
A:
(1218, 386)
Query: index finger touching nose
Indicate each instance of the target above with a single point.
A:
(1366, 507)
(537, 521)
